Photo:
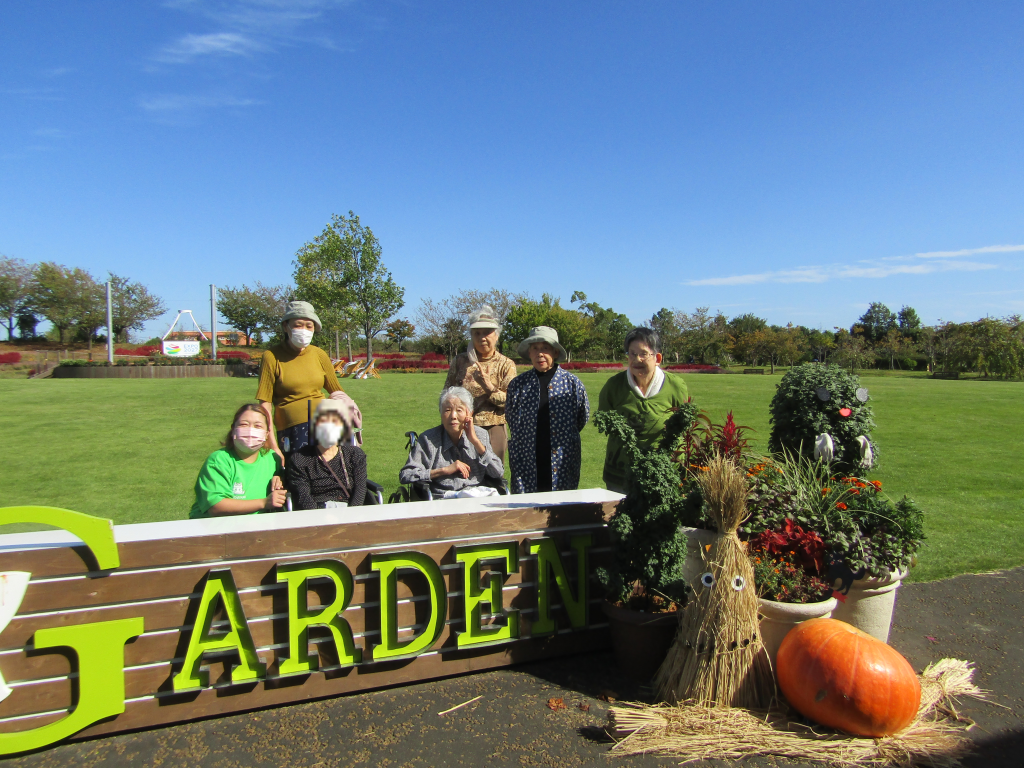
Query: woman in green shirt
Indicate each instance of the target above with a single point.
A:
(643, 393)
(242, 478)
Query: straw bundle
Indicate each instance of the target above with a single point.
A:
(717, 657)
(935, 738)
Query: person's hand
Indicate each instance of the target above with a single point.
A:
(483, 381)
(276, 484)
(276, 499)
(459, 468)
(280, 456)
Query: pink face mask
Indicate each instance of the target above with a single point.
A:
(249, 439)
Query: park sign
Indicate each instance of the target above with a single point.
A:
(181, 348)
(109, 628)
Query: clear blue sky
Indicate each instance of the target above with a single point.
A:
(796, 160)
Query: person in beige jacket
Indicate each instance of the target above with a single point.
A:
(485, 373)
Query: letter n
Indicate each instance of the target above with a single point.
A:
(549, 563)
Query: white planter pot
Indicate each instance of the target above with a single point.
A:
(869, 605)
(693, 567)
(778, 618)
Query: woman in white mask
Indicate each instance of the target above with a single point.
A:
(331, 472)
(293, 377)
(243, 477)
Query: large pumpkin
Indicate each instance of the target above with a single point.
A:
(846, 679)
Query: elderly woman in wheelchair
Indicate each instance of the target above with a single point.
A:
(331, 472)
(455, 458)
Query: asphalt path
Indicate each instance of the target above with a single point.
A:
(979, 618)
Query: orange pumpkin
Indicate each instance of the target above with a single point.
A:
(846, 679)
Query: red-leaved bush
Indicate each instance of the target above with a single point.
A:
(806, 547)
(233, 354)
(429, 365)
(434, 357)
(138, 351)
(10, 357)
(589, 366)
(694, 368)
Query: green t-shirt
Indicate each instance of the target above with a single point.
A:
(650, 413)
(225, 477)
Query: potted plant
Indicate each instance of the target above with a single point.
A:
(644, 584)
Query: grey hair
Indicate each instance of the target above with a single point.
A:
(644, 336)
(458, 393)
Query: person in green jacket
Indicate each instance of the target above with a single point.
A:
(645, 395)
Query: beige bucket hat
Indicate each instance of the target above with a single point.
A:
(485, 317)
(538, 334)
(301, 309)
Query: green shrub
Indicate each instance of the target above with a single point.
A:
(649, 549)
(799, 415)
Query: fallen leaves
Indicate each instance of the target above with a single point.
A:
(608, 696)
(556, 704)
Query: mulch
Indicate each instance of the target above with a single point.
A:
(979, 618)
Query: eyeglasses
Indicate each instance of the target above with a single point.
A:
(643, 357)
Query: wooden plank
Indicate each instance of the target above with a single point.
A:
(66, 561)
(213, 702)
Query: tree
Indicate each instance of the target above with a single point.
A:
(15, 291)
(443, 324)
(895, 346)
(62, 295)
(500, 300)
(821, 343)
(131, 306)
(908, 321)
(663, 322)
(253, 311)
(705, 337)
(573, 328)
(341, 270)
(400, 331)
(851, 350)
(877, 321)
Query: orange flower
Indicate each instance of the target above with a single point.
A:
(840, 505)
(877, 484)
(826, 491)
(855, 491)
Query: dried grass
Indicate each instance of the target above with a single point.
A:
(717, 657)
(694, 732)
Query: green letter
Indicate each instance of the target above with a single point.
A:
(475, 594)
(100, 650)
(387, 566)
(549, 561)
(219, 584)
(300, 619)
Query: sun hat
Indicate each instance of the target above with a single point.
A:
(538, 334)
(485, 317)
(301, 309)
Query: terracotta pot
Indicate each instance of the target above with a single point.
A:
(641, 640)
(869, 605)
(778, 618)
(694, 567)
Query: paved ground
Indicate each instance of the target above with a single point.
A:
(979, 618)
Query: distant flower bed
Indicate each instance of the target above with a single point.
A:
(434, 357)
(233, 353)
(382, 356)
(10, 357)
(589, 367)
(138, 351)
(406, 365)
(694, 368)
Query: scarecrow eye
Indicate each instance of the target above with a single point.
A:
(862, 395)
(823, 394)
(738, 583)
(708, 580)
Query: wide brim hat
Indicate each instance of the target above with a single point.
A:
(301, 310)
(484, 317)
(538, 334)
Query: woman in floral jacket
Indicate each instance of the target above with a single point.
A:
(546, 410)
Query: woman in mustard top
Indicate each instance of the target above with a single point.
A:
(293, 375)
(242, 478)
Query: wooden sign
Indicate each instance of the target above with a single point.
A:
(167, 622)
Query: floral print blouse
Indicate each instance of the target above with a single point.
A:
(488, 410)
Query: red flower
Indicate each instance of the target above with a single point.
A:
(840, 505)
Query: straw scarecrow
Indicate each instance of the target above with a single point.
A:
(718, 658)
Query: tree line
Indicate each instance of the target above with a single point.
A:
(73, 301)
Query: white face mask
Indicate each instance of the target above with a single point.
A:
(248, 440)
(328, 433)
(301, 337)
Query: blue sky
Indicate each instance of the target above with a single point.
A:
(795, 160)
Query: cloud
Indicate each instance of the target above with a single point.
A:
(166, 103)
(191, 47)
(936, 261)
(50, 133)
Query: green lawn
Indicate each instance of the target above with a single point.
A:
(130, 449)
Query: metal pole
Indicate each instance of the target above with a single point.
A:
(213, 321)
(337, 345)
(348, 335)
(110, 328)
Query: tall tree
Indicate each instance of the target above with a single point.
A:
(877, 321)
(705, 336)
(663, 322)
(908, 321)
(62, 295)
(443, 324)
(253, 311)
(341, 270)
(131, 306)
(573, 328)
(15, 291)
(399, 331)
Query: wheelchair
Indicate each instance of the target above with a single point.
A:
(420, 490)
(374, 491)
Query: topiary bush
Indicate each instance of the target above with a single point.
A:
(814, 399)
